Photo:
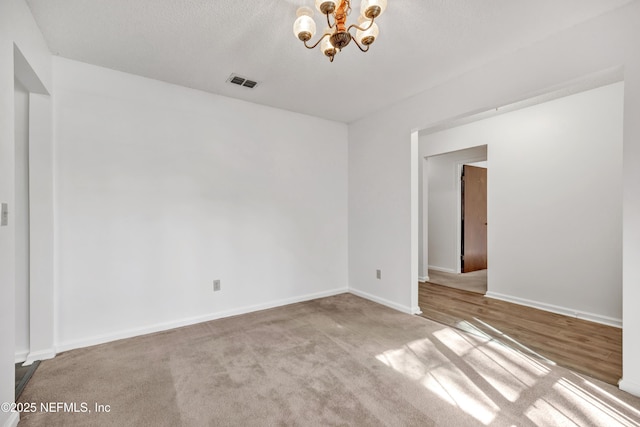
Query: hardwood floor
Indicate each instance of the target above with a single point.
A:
(586, 347)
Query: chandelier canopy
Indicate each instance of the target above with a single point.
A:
(337, 35)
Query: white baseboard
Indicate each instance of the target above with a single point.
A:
(13, 420)
(416, 310)
(592, 317)
(391, 304)
(21, 356)
(39, 355)
(423, 279)
(629, 387)
(442, 269)
(101, 339)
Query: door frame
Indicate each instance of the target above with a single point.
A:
(41, 213)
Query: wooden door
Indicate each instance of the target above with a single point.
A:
(474, 219)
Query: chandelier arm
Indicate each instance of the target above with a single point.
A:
(360, 28)
(355, 40)
(329, 22)
(317, 43)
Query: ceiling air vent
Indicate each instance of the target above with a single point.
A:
(241, 81)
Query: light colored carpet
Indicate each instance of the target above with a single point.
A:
(476, 281)
(340, 360)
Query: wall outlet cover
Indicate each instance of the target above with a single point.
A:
(4, 220)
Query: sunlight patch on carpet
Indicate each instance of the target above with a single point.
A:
(446, 380)
(591, 407)
(405, 362)
(432, 384)
(544, 413)
(611, 397)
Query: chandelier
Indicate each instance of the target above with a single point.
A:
(337, 35)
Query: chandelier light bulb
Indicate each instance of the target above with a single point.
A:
(373, 8)
(326, 47)
(304, 26)
(326, 6)
(369, 35)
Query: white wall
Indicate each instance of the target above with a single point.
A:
(16, 26)
(21, 215)
(381, 231)
(161, 189)
(443, 213)
(554, 201)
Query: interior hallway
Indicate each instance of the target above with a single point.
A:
(475, 281)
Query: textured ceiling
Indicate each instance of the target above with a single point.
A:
(199, 43)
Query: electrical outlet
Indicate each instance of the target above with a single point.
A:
(5, 215)
(216, 285)
(378, 274)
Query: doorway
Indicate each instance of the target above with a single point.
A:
(455, 201)
(31, 219)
